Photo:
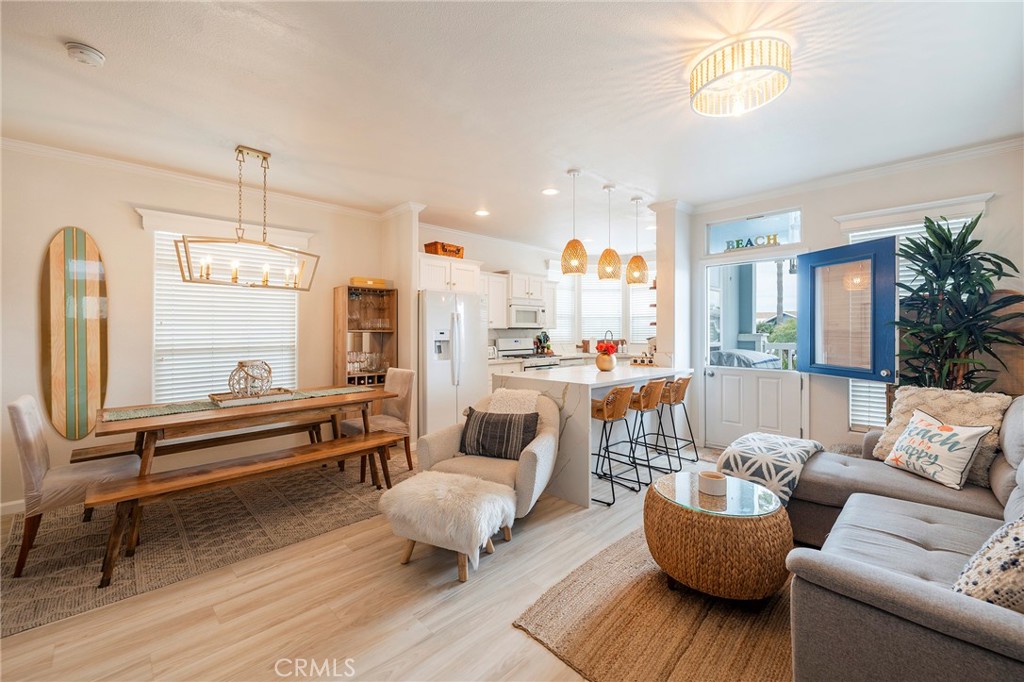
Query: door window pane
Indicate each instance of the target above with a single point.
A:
(843, 312)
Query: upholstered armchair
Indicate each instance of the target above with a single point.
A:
(528, 476)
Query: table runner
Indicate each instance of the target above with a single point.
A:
(114, 415)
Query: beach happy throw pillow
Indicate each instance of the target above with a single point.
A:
(941, 452)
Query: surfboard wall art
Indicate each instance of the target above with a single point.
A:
(74, 338)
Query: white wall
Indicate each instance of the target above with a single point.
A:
(496, 254)
(998, 168)
(45, 190)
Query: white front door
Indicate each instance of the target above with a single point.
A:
(749, 360)
(739, 401)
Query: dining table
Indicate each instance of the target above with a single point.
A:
(190, 424)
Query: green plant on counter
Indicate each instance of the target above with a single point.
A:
(948, 316)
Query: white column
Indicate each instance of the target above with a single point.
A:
(673, 272)
(400, 227)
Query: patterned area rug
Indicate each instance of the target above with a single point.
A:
(180, 539)
(614, 619)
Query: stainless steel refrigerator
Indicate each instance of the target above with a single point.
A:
(453, 357)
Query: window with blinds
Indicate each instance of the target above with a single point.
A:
(642, 313)
(600, 306)
(565, 307)
(201, 331)
(867, 398)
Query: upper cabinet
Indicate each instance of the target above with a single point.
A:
(496, 288)
(522, 287)
(440, 273)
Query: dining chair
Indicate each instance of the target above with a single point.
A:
(48, 488)
(395, 412)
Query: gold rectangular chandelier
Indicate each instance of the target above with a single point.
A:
(236, 262)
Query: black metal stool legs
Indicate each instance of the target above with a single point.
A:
(678, 444)
(605, 458)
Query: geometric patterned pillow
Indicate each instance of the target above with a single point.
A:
(996, 572)
(768, 459)
(941, 452)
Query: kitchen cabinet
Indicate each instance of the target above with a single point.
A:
(504, 368)
(523, 287)
(439, 273)
(495, 290)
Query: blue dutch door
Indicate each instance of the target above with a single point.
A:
(847, 311)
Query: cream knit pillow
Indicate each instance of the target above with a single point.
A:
(950, 407)
(996, 572)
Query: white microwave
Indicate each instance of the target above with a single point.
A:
(526, 316)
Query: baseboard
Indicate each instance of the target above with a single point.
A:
(15, 507)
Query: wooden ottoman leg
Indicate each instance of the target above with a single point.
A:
(407, 554)
(463, 567)
(490, 547)
(508, 533)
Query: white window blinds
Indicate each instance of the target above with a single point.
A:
(201, 331)
(600, 306)
(642, 313)
(867, 398)
(565, 306)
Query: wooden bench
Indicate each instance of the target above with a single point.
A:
(174, 447)
(132, 494)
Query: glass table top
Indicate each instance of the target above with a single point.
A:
(742, 498)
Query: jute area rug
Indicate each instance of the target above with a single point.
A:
(181, 539)
(614, 619)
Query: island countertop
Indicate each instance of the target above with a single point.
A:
(589, 375)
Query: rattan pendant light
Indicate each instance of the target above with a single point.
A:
(636, 269)
(574, 256)
(609, 266)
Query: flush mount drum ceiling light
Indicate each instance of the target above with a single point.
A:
(740, 77)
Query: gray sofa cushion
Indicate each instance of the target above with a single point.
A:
(921, 541)
(830, 479)
(1003, 478)
(1011, 436)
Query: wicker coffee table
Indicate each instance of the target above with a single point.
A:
(733, 546)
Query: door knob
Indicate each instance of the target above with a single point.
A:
(709, 372)
(884, 373)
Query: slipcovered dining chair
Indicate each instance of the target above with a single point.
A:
(395, 412)
(48, 488)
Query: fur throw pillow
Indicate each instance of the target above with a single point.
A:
(956, 407)
(513, 401)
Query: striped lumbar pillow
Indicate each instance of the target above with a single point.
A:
(487, 434)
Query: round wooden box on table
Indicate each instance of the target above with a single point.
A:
(731, 546)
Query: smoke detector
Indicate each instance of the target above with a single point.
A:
(83, 54)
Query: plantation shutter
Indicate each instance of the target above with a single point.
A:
(642, 313)
(201, 331)
(867, 398)
(600, 306)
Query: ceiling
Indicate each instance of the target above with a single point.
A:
(462, 106)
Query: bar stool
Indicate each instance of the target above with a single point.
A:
(674, 394)
(608, 410)
(643, 402)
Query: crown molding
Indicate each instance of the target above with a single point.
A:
(36, 149)
(672, 205)
(405, 207)
(487, 237)
(957, 206)
(1004, 146)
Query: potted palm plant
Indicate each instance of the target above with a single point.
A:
(949, 318)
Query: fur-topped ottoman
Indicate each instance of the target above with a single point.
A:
(453, 511)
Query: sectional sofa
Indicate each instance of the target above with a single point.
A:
(876, 601)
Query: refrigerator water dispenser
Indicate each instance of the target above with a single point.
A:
(442, 344)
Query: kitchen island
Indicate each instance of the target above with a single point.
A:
(572, 389)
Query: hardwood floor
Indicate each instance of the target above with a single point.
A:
(342, 595)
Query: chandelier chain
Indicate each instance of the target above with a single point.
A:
(266, 165)
(240, 231)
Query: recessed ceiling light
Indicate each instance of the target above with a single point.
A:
(83, 54)
(483, 213)
(651, 227)
(549, 191)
